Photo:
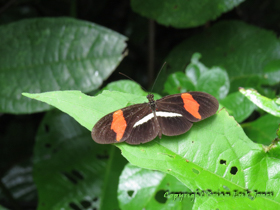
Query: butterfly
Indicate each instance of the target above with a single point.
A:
(140, 123)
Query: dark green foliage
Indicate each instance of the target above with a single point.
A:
(48, 159)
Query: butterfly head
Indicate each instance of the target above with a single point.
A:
(150, 97)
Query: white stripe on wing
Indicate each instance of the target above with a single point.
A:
(159, 114)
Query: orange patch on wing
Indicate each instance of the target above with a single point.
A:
(118, 124)
(191, 105)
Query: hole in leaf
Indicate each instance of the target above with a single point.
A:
(74, 206)
(223, 162)
(47, 145)
(77, 174)
(233, 170)
(47, 128)
(195, 171)
(70, 178)
(209, 191)
(160, 196)
(95, 199)
(130, 193)
(85, 204)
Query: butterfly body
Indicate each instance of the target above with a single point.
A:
(140, 123)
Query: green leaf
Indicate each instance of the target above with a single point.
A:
(269, 105)
(81, 106)
(272, 72)
(45, 54)
(215, 82)
(177, 83)
(115, 166)
(268, 92)
(247, 82)
(215, 154)
(238, 106)
(125, 86)
(182, 14)
(70, 170)
(195, 68)
(145, 189)
(128, 86)
(243, 50)
(263, 130)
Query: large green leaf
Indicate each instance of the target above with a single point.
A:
(87, 110)
(243, 50)
(70, 170)
(263, 130)
(46, 54)
(146, 189)
(215, 154)
(181, 13)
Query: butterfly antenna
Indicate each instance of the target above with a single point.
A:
(132, 80)
(158, 75)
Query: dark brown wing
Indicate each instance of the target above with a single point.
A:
(103, 133)
(173, 126)
(144, 133)
(194, 106)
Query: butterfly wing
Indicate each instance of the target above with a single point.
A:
(173, 126)
(120, 126)
(186, 108)
(145, 131)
